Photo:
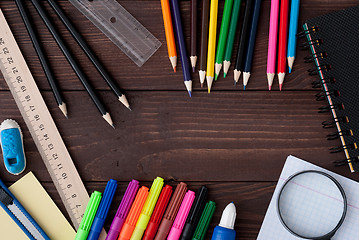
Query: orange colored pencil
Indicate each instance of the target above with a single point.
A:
(170, 38)
(134, 213)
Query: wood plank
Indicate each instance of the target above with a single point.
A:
(229, 136)
(156, 74)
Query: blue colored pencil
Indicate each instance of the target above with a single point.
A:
(292, 38)
(251, 42)
(181, 45)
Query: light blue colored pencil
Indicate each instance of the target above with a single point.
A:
(292, 37)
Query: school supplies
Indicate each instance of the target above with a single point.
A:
(181, 217)
(134, 213)
(19, 215)
(204, 221)
(332, 39)
(123, 210)
(103, 209)
(193, 55)
(282, 42)
(12, 147)
(231, 36)
(41, 125)
(225, 228)
(292, 35)
(82, 43)
(157, 214)
(42, 56)
(148, 209)
(272, 227)
(251, 42)
(204, 41)
(181, 45)
(121, 28)
(33, 197)
(223, 34)
(243, 41)
(211, 43)
(171, 211)
(170, 37)
(89, 216)
(272, 42)
(194, 214)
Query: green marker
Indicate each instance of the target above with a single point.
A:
(204, 221)
(231, 36)
(223, 33)
(87, 219)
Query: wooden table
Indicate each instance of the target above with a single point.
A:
(233, 141)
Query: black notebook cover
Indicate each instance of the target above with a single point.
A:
(334, 43)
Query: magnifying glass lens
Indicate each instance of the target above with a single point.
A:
(311, 205)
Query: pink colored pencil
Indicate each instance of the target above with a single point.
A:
(272, 42)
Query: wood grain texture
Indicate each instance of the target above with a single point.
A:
(234, 142)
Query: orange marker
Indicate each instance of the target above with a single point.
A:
(170, 38)
(133, 215)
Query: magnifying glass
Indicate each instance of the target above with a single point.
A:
(312, 205)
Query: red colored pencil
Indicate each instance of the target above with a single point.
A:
(282, 41)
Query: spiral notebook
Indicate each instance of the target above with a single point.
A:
(272, 229)
(334, 43)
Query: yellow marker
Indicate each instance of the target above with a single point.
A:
(147, 209)
(212, 43)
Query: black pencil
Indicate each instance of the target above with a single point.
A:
(42, 57)
(238, 68)
(72, 61)
(79, 39)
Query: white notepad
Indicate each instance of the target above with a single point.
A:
(273, 229)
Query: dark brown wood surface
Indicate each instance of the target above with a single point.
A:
(233, 141)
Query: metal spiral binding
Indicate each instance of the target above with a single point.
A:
(318, 83)
(315, 71)
(336, 135)
(331, 123)
(341, 148)
(322, 95)
(305, 32)
(339, 163)
(306, 45)
(311, 58)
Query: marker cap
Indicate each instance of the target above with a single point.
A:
(225, 229)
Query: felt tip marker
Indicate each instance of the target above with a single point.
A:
(225, 229)
(123, 210)
(102, 210)
(195, 213)
(171, 211)
(158, 213)
(180, 220)
(205, 220)
(148, 209)
(135, 211)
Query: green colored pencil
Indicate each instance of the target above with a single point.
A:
(223, 33)
(231, 36)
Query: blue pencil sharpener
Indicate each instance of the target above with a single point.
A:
(12, 147)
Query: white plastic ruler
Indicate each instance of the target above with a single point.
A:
(41, 125)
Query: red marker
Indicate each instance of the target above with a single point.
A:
(158, 213)
(282, 42)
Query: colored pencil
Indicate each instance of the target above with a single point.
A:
(272, 42)
(204, 41)
(181, 45)
(251, 42)
(292, 36)
(282, 42)
(89, 53)
(193, 56)
(212, 43)
(42, 57)
(231, 36)
(243, 41)
(72, 62)
(223, 34)
(170, 37)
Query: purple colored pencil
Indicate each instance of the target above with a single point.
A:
(123, 210)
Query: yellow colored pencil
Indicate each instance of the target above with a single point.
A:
(212, 43)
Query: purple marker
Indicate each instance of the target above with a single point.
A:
(123, 210)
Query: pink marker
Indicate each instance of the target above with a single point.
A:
(180, 220)
(272, 42)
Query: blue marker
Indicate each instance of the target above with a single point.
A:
(225, 229)
(102, 211)
(292, 37)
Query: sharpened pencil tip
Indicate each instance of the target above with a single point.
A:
(174, 69)
(215, 77)
(63, 109)
(201, 85)
(209, 90)
(193, 69)
(113, 126)
(269, 87)
(224, 75)
(235, 83)
(190, 93)
(130, 109)
(244, 87)
(290, 70)
(108, 119)
(280, 87)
